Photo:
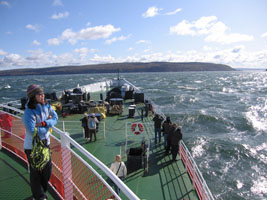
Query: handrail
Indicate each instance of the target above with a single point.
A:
(195, 174)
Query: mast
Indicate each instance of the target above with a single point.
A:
(118, 74)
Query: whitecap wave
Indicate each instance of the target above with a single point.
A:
(7, 86)
(258, 152)
(239, 184)
(259, 186)
(198, 150)
(153, 90)
(193, 100)
(257, 116)
(6, 98)
(228, 90)
(187, 88)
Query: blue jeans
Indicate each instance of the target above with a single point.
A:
(165, 140)
(117, 189)
(157, 135)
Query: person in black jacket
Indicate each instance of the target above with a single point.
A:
(157, 125)
(166, 127)
(85, 126)
(176, 136)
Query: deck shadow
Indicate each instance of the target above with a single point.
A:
(172, 178)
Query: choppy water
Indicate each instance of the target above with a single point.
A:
(223, 117)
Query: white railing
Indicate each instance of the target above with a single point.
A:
(194, 173)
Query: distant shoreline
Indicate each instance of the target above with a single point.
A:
(121, 67)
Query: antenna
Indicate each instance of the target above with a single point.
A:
(118, 74)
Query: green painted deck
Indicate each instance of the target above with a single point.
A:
(165, 179)
(15, 179)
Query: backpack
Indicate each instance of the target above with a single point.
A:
(40, 153)
(92, 124)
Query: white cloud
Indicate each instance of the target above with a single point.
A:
(236, 56)
(102, 59)
(90, 33)
(60, 15)
(2, 52)
(238, 49)
(142, 42)
(183, 28)
(84, 50)
(114, 39)
(214, 30)
(14, 60)
(54, 41)
(151, 12)
(174, 12)
(57, 3)
(207, 48)
(264, 35)
(147, 50)
(32, 27)
(84, 54)
(39, 57)
(35, 42)
(4, 3)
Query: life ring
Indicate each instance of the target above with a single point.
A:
(137, 128)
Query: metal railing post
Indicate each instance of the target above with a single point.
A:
(63, 126)
(104, 130)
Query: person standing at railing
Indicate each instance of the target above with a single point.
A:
(166, 127)
(38, 117)
(118, 168)
(85, 126)
(157, 126)
(176, 136)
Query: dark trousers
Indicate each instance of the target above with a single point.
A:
(175, 149)
(117, 189)
(91, 132)
(39, 179)
(86, 132)
(168, 145)
(157, 135)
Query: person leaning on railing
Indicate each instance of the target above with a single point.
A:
(38, 116)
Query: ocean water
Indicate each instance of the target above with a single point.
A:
(223, 116)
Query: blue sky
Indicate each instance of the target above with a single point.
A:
(46, 33)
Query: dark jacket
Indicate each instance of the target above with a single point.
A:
(157, 121)
(84, 122)
(176, 136)
(166, 127)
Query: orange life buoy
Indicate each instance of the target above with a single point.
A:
(137, 128)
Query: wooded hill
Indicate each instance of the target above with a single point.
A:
(122, 67)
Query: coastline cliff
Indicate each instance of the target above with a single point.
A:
(122, 67)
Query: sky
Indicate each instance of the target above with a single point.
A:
(48, 33)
